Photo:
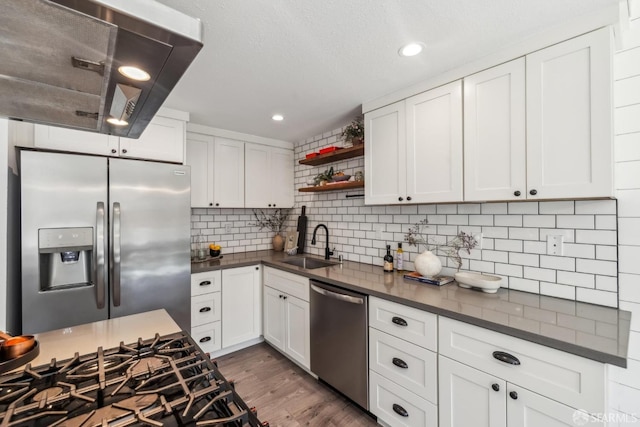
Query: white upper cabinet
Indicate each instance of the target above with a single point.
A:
(268, 177)
(200, 158)
(228, 173)
(413, 149)
(569, 132)
(385, 154)
(495, 133)
(434, 145)
(163, 139)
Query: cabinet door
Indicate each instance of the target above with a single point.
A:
(200, 158)
(569, 132)
(163, 139)
(468, 398)
(297, 330)
(241, 305)
(56, 138)
(274, 317)
(526, 408)
(434, 145)
(385, 154)
(281, 177)
(207, 336)
(494, 134)
(228, 172)
(258, 176)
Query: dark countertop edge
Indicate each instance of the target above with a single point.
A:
(566, 347)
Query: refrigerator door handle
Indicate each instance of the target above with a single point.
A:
(99, 247)
(115, 239)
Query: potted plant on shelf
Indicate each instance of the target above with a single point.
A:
(275, 221)
(324, 177)
(354, 132)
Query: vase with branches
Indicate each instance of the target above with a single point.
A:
(417, 235)
(273, 221)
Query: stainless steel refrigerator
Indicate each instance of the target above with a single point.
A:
(102, 238)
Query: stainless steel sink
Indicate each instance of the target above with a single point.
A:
(309, 263)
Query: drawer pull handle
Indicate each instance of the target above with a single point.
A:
(205, 283)
(399, 321)
(506, 357)
(205, 339)
(513, 395)
(400, 410)
(495, 387)
(400, 363)
(205, 309)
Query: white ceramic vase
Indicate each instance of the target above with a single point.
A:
(428, 264)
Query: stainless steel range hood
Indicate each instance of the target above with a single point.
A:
(60, 61)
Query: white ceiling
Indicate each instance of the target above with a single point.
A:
(316, 61)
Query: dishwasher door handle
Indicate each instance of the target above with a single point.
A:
(335, 295)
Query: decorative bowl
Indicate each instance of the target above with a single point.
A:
(213, 252)
(338, 178)
(485, 282)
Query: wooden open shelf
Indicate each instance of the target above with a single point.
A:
(333, 187)
(345, 153)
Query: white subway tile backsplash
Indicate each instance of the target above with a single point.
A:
(494, 208)
(606, 222)
(594, 296)
(576, 279)
(532, 260)
(508, 220)
(447, 209)
(530, 208)
(532, 247)
(525, 285)
(607, 253)
(469, 208)
(558, 262)
(607, 283)
(496, 232)
(543, 274)
(603, 207)
(509, 270)
(494, 256)
(628, 257)
(593, 266)
(557, 290)
(579, 251)
(524, 233)
(562, 208)
(481, 220)
(576, 221)
(547, 221)
(598, 237)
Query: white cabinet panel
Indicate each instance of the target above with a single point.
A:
(205, 309)
(57, 138)
(281, 177)
(569, 131)
(286, 282)
(396, 406)
(200, 158)
(385, 154)
(274, 317)
(297, 330)
(495, 133)
(228, 173)
(434, 145)
(269, 177)
(207, 282)
(207, 336)
(469, 397)
(163, 140)
(241, 305)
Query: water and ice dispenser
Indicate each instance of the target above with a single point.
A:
(65, 257)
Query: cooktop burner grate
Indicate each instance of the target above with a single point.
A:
(163, 381)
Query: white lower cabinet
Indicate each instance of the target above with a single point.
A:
(403, 377)
(241, 305)
(287, 315)
(206, 310)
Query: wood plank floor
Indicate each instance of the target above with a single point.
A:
(284, 394)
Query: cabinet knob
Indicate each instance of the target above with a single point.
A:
(205, 339)
(205, 309)
(400, 410)
(124, 150)
(274, 205)
(399, 321)
(533, 192)
(285, 297)
(113, 151)
(280, 296)
(517, 193)
(400, 363)
(269, 204)
(211, 204)
(205, 283)
(400, 199)
(495, 387)
(513, 395)
(408, 198)
(257, 268)
(217, 204)
(506, 357)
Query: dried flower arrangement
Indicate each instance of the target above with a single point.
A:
(274, 221)
(463, 241)
(354, 131)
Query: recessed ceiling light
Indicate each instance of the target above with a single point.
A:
(411, 49)
(278, 117)
(117, 122)
(134, 73)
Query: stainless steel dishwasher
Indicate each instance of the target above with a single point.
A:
(339, 349)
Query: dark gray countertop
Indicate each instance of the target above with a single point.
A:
(595, 332)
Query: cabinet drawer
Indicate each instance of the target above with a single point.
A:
(207, 336)
(388, 401)
(570, 379)
(413, 325)
(205, 283)
(205, 309)
(404, 363)
(292, 284)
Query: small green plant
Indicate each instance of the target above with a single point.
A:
(354, 130)
(327, 175)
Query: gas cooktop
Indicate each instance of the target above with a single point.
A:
(165, 380)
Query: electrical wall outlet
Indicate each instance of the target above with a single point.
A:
(478, 238)
(555, 245)
(227, 227)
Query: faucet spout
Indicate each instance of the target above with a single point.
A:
(327, 251)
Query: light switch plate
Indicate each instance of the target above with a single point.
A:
(555, 245)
